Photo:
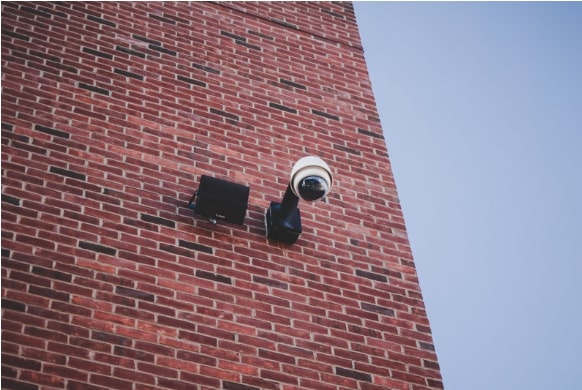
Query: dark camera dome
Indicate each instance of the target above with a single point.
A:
(312, 188)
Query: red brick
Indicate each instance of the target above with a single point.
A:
(238, 367)
(87, 151)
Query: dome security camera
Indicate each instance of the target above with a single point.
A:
(311, 179)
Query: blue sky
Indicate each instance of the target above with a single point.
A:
(481, 106)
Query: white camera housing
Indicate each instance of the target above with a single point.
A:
(311, 178)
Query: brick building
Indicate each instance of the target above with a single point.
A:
(111, 114)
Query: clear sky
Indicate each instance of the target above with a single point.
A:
(481, 105)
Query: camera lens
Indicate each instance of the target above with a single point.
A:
(312, 188)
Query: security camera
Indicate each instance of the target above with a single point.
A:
(311, 179)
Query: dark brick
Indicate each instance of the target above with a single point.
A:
(67, 173)
(10, 384)
(26, 146)
(144, 39)
(224, 114)
(426, 346)
(325, 114)
(93, 88)
(211, 276)
(162, 19)
(195, 246)
(377, 309)
(35, 11)
(16, 35)
(51, 131)
(11, 200)
(43, 55)
(56, 275)
(431, 365)
(233, 36)
(284, 23)
(158, 220)
(97, 248)
(366, 132)
(9, 372)
(13, 305)
(16, 361)
(53, 12)
(97, 53)
(191, 81)
(371, 275)
(283, 108)
(207, 69)
(162, 50)
(357, 375)
(435, 384)
(346, 149)
(101, 21)
(258, 34)
(292, 84)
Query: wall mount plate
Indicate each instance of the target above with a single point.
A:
(285, 229)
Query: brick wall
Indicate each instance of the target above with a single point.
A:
(111, 112)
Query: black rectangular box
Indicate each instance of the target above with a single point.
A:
(221, 199)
